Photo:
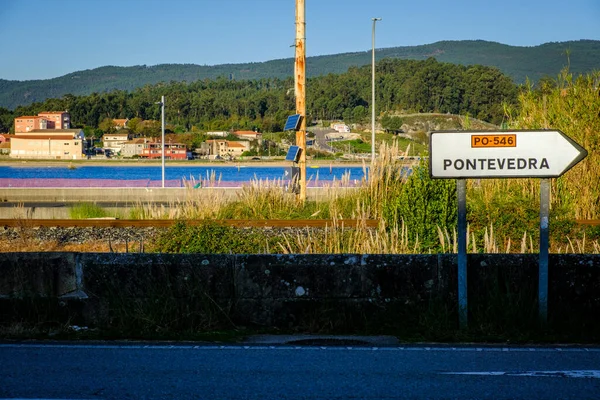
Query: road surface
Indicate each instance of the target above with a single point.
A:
(150, 371)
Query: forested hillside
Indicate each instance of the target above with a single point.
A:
(223, 104)
(517, 62)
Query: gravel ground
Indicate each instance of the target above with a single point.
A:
(29, 239)
(75, 239)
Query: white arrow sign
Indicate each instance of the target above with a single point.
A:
(502, 154)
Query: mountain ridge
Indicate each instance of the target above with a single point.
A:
(518, 62)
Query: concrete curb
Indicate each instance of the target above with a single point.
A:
(323, 340)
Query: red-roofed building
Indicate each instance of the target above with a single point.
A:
(120, 123)
(225, 148)
(44, 120)
(249, 135)
(28, 123)
(173, 151)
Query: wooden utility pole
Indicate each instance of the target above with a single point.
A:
(300, 91)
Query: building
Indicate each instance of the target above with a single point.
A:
(48, 144)
(115, 141)
(44, 120)
(249, 135)
(28, 123)
(217, 133)
(5, 148)
(57, 119)
(133, 147)
(173, 151)
(120, 123)
(225, 148)
(342, 128)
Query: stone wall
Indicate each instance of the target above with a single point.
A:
(106, 289)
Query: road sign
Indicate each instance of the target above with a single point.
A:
(503, 154)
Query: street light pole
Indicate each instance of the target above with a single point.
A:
(373, 91)
(162, 144)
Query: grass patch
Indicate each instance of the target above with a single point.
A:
(87, 210)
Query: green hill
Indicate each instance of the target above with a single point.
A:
(519, 63)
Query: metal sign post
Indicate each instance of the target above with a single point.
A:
(461, 189)
(544, 244)
(505, 154)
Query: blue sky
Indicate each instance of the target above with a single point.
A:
(43, 39)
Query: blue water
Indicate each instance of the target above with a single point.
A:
(233, 173)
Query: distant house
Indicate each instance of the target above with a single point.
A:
(115, 141)
(5, 148)
(54, 144)
(249, 135)
(134, 147)
(342, 128)
(225, 148)
(173, 151)
(120, 123)
(236, 149)
(217, 133)
(5, 137)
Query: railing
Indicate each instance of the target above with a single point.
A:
(163, 223)
(593, 222)
(242, 223)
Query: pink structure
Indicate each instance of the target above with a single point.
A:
(28, 123)
(57, 119)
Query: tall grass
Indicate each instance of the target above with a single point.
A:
(570, 104)
(419, 215)
(340, 239)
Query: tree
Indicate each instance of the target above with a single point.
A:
(6, 120)
(108, 125)
(135, 125)
(359, 113)
(151, 128)
(391, 123)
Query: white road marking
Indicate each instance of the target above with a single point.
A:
(289, 347)
(590, 374)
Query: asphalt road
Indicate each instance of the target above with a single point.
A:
(139, 371)
(321, 139)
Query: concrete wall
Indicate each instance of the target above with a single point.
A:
(100, 289)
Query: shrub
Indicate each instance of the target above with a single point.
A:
(424, 204)
(87, 210)
(210, 238)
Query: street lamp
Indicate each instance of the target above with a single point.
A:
(162, 143)
(373, 92)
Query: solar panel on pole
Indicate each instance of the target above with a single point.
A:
(292, 123)
(293, 153)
